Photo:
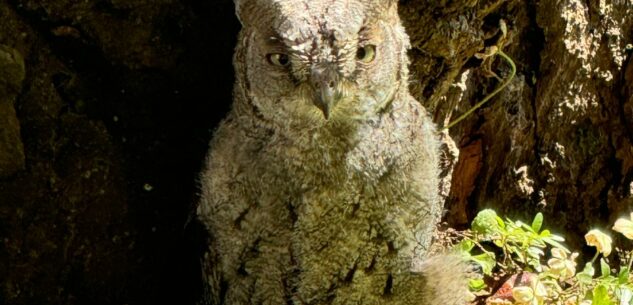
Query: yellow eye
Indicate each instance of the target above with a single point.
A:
(366, 53)
(278, 59)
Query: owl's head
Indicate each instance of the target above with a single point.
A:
(320, 61)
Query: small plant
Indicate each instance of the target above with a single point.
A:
(507, 248)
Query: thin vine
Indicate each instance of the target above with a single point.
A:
(513, 71)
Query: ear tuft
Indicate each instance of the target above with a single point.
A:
(247, 10)
(385, 6)
(387, 3)
(239, 6)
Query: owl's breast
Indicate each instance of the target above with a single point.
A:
(380, 148)
(332, 161)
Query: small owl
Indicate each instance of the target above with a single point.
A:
(321, 185)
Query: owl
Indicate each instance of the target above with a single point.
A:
(321, 185)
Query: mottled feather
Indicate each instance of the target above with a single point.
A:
(321, 185)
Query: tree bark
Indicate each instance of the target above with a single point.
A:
(107, 106)
(558, 138)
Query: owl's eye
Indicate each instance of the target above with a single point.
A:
(278, 59)
(366, 53)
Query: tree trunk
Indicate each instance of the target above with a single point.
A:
(558, 138)
(106, 109)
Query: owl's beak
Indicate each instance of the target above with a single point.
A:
(326, 100)
(325, 84)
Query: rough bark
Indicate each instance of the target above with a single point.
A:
(104, 126)
(558, 139)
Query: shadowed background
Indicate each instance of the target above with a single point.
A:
(115, 113)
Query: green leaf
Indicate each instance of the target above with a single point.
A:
(586, 275)
(464, 246)
(520, 255)
(528, 230)
(536, 264)
(476, 285)
(625, 295)
(500, 222)
(623, 276)
(589, 269)
(601, 296)
(486, 222)
(557, 238)
(554, 243)
(535, 252)
(525, 226)
(605, 270)
(537, 242)
(537, 222)
(486, 261)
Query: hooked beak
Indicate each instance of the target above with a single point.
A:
(325, 84)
